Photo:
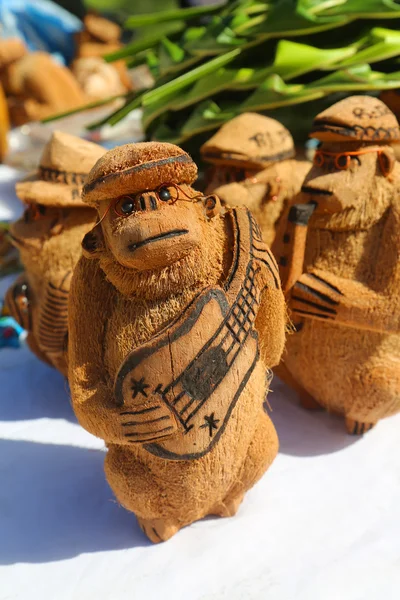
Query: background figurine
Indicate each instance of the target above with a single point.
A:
(342, 277)
(36, 86)
(175, 315)
(49, 236)
(254, 166)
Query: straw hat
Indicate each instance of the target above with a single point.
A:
(355, 118)
(64, 167)
(134, 168)
(251, 141)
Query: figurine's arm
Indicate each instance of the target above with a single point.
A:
(323, 296)
(52, 322)
(327, 297)
(90, 303)
(272, 316)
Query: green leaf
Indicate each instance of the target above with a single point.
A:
(135, 47)
(88, 106)
(188, 78)
(284, 20)
(293, 59)
(379, 45)
(274, 92)
(366, 9)
(184, 14)
(153, 110)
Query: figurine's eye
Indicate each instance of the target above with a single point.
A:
(164, 194)
(34, 212)
(125, 206)
(168, 193)
(342, 161)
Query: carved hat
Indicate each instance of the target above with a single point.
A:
(137, 167)
(64, 167)
(362, 118)
(251, 141)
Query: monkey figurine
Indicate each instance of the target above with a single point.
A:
(49, 236)
(176, 315)
(254, 166)
(341, 272)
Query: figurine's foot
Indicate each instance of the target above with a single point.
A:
(308, 402)
(229, 507)
(157, 530)
(356, 427)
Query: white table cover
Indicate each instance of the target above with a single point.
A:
(322, 524)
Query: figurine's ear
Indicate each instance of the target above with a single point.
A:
(93, 242)
(387, 161)
(212, 206)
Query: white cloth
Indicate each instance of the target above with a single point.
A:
(322, 524)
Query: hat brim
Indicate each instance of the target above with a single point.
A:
(218, 158)
(33, 190)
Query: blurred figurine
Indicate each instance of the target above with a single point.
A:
(49, 236)
(254, 166)
(35, 84)
(342, 272)
(175, 316)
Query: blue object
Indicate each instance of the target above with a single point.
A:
(42, 25)
(11, 334)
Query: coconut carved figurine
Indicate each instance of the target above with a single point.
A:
(254, 166)
(175, 315)
(49, 236)
(343, 278)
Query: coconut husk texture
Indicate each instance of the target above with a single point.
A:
(253, 167)
(49, 236)
(150, 310)
(345, 302)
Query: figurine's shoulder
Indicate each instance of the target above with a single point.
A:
(253, 263)
(89, 279)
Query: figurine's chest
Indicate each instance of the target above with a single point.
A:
(132, 323)
(353, 255)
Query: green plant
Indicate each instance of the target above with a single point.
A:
(260, 56)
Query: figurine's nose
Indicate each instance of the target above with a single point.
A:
(146, 202)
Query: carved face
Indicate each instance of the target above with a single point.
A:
(226, 174)
(151, 229)
(40, 223)
(37, 224)
(342, 183)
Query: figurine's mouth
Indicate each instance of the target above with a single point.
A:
(16, 241)
(315, 191)
(155, 238)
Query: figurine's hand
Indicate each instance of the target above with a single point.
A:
(314, 296)
(326, 297)
(145, 416)
(153, 421)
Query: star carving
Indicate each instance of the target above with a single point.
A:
(211, 422)
(139, 387)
